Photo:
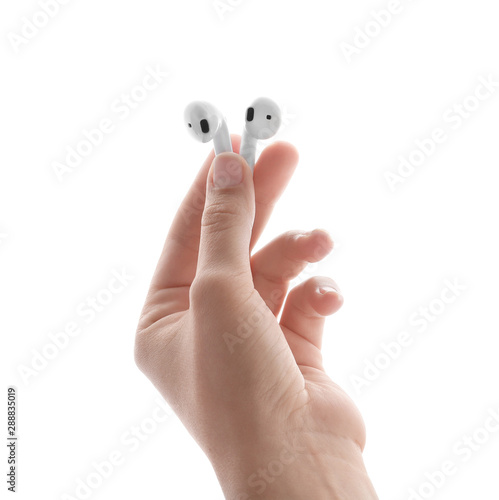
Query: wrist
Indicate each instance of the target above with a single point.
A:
(290, 470)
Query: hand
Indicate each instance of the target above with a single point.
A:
(250, 388)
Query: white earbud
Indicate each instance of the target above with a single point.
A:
(204, 122)
(263, 119)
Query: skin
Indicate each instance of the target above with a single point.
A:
(239, 361)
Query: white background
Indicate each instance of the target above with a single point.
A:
(350, 120)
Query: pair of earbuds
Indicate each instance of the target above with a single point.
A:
(205, 123)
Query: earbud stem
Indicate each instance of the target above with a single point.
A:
(248, 149)
(221, 141)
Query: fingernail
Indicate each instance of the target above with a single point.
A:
(228, 170)
(323, 290)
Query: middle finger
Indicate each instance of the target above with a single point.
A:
(283, 259)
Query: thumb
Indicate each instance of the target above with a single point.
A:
(228, 217)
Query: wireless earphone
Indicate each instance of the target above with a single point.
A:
(263, 119)
(204, 122)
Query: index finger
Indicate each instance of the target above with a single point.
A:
(177, 264)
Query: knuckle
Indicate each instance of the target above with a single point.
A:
(292, 235)
(220, 216)
(217, 287)
(287, 242)
(207, 285)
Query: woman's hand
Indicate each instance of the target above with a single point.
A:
(250, 388)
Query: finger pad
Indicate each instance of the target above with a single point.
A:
(327, 304)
